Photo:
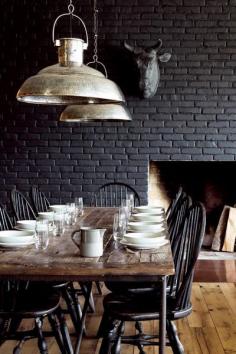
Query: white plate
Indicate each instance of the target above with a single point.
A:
(145, 226)
(15, 245)
(57, 207)
(14, 236)
(139, 238)
(46, 215)
(143, 247)
(26, 224)
(150, 209)
(155, 218)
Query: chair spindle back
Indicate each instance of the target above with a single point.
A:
(21, 207)
(39, 200)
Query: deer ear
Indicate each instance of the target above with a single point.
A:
(164, 57)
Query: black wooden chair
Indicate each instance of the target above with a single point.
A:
(39, 200)
(13, 305)
(120, 308)
(112, 194)
(66, 289)
(21, 206)
(5, 220)
(19, 301)
(172, 207)
(175, 226)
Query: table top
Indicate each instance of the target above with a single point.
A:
(62, 260)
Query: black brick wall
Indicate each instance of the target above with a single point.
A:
(192, 116)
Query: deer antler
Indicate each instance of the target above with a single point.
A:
(157, 46)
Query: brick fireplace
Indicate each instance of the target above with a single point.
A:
(212, 183)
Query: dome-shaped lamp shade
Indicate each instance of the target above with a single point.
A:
(69, 82)
(95, 112)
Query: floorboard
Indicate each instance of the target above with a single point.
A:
(210, 329)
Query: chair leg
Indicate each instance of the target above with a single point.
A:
(65, 332)
(86, 293)
(175, 343)
(41, 340)
(57, 333)
(18, 347)
(98, 286)
(139, 327)
(75, 299)
(116, 347)
(72, 308)
(107, 338)
(103, 326)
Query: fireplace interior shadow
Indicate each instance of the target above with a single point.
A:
(212, 183)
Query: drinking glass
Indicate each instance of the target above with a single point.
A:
(41, 234)
(130, 198)
(70, 216)
(119, 225)
(79, 205)
(59, 223)
(125, 207)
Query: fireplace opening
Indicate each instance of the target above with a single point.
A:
(212, 183)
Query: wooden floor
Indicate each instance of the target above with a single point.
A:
(210, 329)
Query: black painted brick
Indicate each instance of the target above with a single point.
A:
(191, 117)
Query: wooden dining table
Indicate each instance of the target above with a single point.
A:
(61, 261)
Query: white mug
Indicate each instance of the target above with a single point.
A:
(91, 241)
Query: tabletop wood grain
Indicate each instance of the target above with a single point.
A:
(62, 258)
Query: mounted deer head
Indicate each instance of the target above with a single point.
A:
(147, 63)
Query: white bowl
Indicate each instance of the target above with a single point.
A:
(57, 207)
(145, 226)
(156, 218)
(26, 224)
(15, 236)
(150, 209)
(144, 238)
(46, 215)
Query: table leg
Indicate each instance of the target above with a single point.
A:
(162, 325)
(82, 321)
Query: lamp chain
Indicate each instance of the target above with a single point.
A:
(95, 30)
(95, 50)
(71, 8)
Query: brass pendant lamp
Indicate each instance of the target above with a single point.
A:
(69, 81)
(96, 111)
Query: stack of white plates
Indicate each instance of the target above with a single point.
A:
(144, 240)
(144, 226)
(16, 238)
(25, 224)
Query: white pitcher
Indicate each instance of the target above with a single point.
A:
(90, 241)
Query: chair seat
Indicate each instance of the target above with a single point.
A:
(36, 301)
(125, 287)
(141, 306)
